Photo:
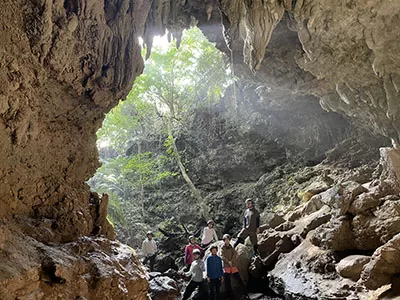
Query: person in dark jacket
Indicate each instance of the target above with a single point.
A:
(215, 273)
(251, 226)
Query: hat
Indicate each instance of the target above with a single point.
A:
(226, 236)
(149, 233)
(210, 222)
(248, 200)
(191, 238)
(196, 251)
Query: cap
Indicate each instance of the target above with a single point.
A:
(226, 236)
(149, 233)
(191, 237)
(210, 222)
(248, 200)
(196, 251)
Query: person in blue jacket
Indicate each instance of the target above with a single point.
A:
(215, 273)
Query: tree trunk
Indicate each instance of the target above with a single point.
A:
(193, 189)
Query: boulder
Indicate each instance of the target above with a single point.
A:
(384, 263)
(257, 268)
(331, 197)
(364, 204)
(295, 214)
(313, 205)
(284, 245)
(316, 187)
(285, 226)
(361, 232)
(163, 288)
(337, 235)
(310, 222)
(267, 242)
(351, 266)
(271, 220)
(165, 262)
(350, 191)
(89, 268)
(308, 272)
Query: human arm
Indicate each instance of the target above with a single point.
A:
(225, 258)
(258, 223)
(187, 255)
(144, 248)
(208, 268)
(203, 236)
(155, 247)
(215, 236)
(190, 272)
(220, 270)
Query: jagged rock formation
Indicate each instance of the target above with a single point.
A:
(64, 64)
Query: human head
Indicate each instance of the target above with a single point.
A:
(249, 203)
(214, 249)
(210, 223)
(192, 239)
(196, 253)
(149, 235)
(226, 238)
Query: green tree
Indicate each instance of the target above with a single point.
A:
(179, 80)
(163, 101)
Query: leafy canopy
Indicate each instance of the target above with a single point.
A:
(163, 100)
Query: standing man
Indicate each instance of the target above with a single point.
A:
(215, 273)
(209, 235)
(149, 250)
(251, 226)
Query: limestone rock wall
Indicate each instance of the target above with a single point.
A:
(349, 48)
(64, 64)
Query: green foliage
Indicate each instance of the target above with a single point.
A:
(146, 169)
(115, 211)
(162, 102)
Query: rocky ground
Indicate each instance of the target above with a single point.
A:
(338, 243)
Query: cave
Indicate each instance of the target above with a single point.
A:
(330, 70)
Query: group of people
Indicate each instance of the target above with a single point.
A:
(219, 266)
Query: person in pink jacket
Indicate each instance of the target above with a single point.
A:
(189, 251)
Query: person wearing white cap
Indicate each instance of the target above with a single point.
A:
(196, 273)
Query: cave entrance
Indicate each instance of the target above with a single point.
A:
(149, 143)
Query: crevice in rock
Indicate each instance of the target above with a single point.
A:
(48, 274)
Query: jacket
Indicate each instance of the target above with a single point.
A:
(149, 247)
(228, 254)
(209, 235)
(189, 252)
(196, 270)
(214, 267)
(251, 220)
